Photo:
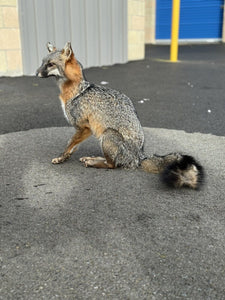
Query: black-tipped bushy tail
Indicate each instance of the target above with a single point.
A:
(184, 172)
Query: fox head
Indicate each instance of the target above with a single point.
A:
(61, 64)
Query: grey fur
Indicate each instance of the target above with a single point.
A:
(115, 111)
(111, 117)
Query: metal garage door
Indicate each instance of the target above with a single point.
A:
(199, 19)
(96, 28)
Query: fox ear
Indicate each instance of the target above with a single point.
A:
(50, 47)
(67, 50)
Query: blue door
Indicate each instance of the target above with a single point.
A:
(199, 19)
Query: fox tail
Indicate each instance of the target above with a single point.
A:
(176, 170)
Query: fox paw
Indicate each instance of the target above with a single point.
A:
(57, 160)
(91, 161)
(83, 159)
(61, 159)
(87, 161)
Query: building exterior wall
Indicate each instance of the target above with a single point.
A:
(97, 30)
(10, 45)
(150, 19)
(137, 19)
(136, 29)
(22, 44)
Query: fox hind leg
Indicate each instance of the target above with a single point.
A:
(96, 162)
(117, 152)
(86, 158)
(110, 143)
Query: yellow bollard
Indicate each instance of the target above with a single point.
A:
(175, 31)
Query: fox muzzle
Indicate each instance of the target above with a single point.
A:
(41, 73)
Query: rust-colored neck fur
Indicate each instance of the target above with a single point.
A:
(74, 76)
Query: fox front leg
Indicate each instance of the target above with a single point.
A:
(78, 137)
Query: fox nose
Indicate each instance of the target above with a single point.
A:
(38, 73)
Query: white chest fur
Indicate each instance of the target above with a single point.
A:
(64, 110)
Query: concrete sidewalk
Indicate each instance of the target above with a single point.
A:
(69, 232)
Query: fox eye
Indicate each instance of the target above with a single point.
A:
(50, 64)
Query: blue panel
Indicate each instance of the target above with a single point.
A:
(163, 19)
(198, 19)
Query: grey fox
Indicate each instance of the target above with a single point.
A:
(110, 116)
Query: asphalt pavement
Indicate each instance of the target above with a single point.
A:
(69, 232)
